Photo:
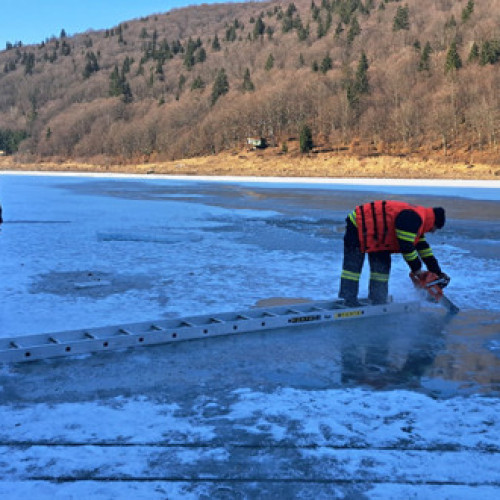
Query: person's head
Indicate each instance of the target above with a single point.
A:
(439, 217)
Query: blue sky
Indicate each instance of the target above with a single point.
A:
(32, 21)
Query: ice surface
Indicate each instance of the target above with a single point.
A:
(405, 408)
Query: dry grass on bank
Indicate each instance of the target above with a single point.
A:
(269, 163)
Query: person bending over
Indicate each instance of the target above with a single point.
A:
(380, 228)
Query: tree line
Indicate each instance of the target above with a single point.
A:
(397, 75)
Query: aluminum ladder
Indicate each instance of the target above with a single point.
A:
(76, 342)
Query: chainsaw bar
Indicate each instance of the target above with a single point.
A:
(448, 304)
(434, 287)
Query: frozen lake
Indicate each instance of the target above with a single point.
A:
(374, 408)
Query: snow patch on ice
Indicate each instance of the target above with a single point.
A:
(371, 419)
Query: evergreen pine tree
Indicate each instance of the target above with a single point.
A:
(401, 19)
(126, 92)
(198, 83)
(361, 84)
(315, 11)
(65, 48)
(302, 33)
(118, 86)
(201, 55)
(159, 70)
(164, 51)
(231, 34)
(91, 65)
(321, 32)
(425, 58)
(291, 9)
(269, 63)
(305, 139)
(326, 64)
(338, 30)
(248, 85)
(490, 52)
(297, 22)
(189, 59)
(259, 28)
(453, 60)
(154, 42)
(467, 11)
(127, 63)
(114, 83)
(354, 30)
(29, 63)
(352, 95)
(216, 44)
(451, 23)
(474, 53)
(220, 86)
(286, 24)
(177, 47)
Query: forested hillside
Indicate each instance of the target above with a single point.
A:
(367, 76)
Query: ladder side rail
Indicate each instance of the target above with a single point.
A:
(124, 339)
(110, 338)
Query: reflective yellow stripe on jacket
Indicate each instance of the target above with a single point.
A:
(352, 218)
(405, 235)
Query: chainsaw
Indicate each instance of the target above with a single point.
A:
(433, 285)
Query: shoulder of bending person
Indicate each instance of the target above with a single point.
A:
(409, 220)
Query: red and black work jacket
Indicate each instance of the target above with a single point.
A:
(396, 227)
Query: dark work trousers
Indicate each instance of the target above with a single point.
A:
(380, 267)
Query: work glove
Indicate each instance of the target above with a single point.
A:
(445, 279)
(420, 278)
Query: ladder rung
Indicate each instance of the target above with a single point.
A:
(42, 346)
(216, 320)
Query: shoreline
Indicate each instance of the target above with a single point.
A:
(242, 165)
(359, 181)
